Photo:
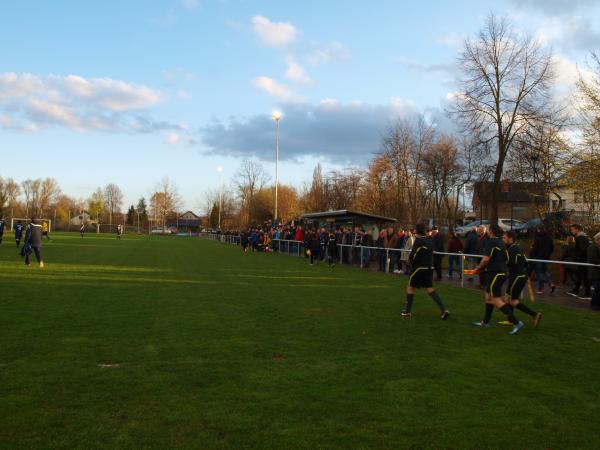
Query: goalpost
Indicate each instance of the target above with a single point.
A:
(15, 220)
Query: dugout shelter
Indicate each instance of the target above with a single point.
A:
(346, 218)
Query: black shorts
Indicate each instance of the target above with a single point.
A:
(493, 282)
(421, 277)
(516, 284)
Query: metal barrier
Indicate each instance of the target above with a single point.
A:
(236, 240)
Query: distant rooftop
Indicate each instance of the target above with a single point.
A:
(347, 214)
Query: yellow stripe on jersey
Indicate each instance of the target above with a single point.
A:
(494, 281)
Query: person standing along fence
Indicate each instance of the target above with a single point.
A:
(454, 246)
(593, 257)
(542, 248)
(582, 243)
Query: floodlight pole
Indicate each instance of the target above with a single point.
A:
(220, 170)
(276, 117)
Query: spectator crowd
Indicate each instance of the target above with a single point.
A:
(387, 250)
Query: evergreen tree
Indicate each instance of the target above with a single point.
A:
(214, 216)
(131, 215)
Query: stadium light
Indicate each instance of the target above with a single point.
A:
(220, 170)
(276, 117)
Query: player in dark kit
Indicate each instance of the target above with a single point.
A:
(2, 224)
(33, 242)
(493, 266)
(18, 233)
(421, 260)
(517, 279)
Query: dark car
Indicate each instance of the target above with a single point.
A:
(557, 222)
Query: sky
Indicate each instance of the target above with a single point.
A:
(129, 92)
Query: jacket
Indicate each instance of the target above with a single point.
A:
(582, 243)
(471, 243)
(408, 245)
(593, 257)
(455, 246)
(542, 247)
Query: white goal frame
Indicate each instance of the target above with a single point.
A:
(14, 220)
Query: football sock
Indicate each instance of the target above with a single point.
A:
(436, 298)
(409, 302)
(526, 309)
(508, 311)
(489, 309)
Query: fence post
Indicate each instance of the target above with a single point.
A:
(387, 260)
(341, 254)
(361, 256)
(462, 271)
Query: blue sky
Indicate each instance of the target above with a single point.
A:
(131, 91)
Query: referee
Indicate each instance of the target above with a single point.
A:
(493, 266)
(421, 260)
(517, 279)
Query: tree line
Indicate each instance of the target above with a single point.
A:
(508, 122)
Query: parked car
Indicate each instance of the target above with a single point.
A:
(528, 227)
(160, 231)
(510, 224)
(462, 231)
(556, 222)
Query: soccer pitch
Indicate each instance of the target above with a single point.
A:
(177, 342)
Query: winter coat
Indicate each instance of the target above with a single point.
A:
(471, 243)
(408, 245)
(455, 245)
(542, 247)
(593, 257)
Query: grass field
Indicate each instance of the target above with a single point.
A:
(176, 342)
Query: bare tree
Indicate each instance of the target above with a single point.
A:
(49, 193)
(588, 104)
(405, 147)
(542, 155)
(249, 179)
(164, 201)
(9, 193)
(505, 82)
(113, 200)
(445, 177)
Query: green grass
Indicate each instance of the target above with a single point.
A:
(217, 349)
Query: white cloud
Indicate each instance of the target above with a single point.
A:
(177, 74)
(274, 34)
(334, 51)
(110, 94)
(555, 7)
(184, 95)
(272, 87)
(575, 33)
(168, 19)
(30, 102)
(173, 139)
(296, 72)
(190, 4)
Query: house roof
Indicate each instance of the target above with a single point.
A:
(510, 192)
(190, 212)
(347, 214)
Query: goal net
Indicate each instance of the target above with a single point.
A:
(15, 220)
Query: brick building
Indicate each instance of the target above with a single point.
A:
(516, 200)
